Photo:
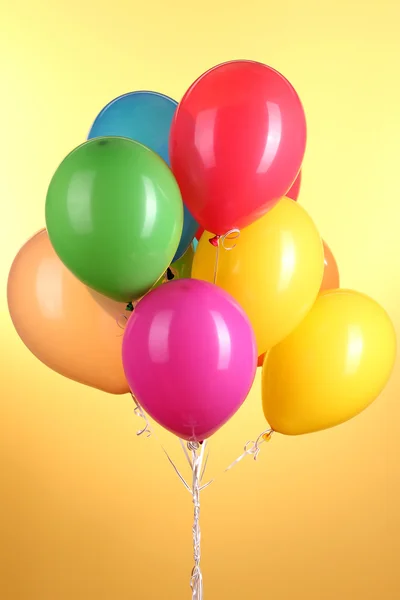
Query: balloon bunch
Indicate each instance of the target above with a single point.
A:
(115, 295)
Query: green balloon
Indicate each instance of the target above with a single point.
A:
(114, 215)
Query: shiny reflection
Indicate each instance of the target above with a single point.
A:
(204, 136)
(274, 272)
(287, 263)
(224, 338)
(274, 138)
(355, 348)
(49, 289)
(237, 144)
(79, 206)
(150, 214)
(71, 329)
(331, 367)
(195, 342)
(159, 336)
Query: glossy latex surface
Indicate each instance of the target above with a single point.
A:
(71, 329)
(237, 144)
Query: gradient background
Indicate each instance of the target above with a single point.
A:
(87, 510)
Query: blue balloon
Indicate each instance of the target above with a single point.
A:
(145, 117)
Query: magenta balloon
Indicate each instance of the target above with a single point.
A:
(189, 356)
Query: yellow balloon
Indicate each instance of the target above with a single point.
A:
(331, 367)
(274, 271)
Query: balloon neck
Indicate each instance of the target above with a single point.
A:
(129, 307)
(214, 241)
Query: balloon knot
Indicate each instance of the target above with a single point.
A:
(267, 436)
(214, 241)
(129, 307)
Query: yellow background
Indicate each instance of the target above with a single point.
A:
(87, 510)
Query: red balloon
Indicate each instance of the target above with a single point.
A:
(237, 143)
(199, 233)
(293, 193)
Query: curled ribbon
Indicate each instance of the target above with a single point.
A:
(196, 580)
(147, 431)
(250, 448)
(220, 240)
(194, 452)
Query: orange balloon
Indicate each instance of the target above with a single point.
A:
(70, 328)
(330, 280)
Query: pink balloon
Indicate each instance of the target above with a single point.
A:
(190, 357)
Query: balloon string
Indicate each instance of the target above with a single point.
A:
(186, 453)
(251, 448)
(218, 240)
(148, 431)
(196, 579)
(196, 463)
(198, 467)
(216, 264)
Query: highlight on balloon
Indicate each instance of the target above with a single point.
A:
(176, 258)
